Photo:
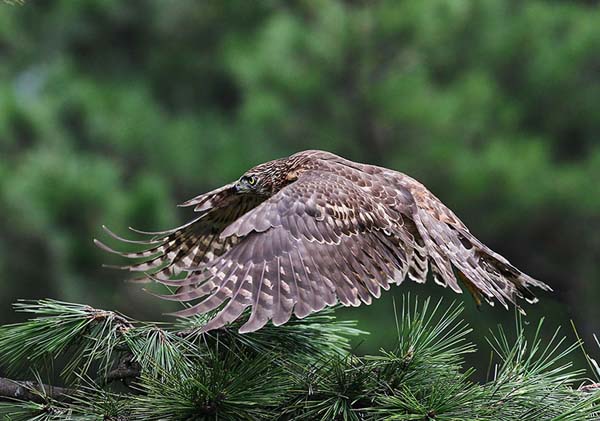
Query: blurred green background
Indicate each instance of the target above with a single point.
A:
(112, 112)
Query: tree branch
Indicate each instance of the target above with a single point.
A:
(32, 391)
(127, 370)
(121, 373)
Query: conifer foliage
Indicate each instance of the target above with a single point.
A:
(115, 368)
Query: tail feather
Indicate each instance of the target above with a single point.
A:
(487, 275)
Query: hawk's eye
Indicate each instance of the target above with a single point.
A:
(250, 180)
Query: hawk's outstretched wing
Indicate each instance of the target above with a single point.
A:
(339, 232)
(191, 245)
(317, 240)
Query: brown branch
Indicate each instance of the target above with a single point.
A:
(121, 373)
(32, 391)
(127, 370)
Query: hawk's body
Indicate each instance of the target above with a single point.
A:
(297, 234)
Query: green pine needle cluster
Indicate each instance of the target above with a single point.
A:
(304, 370)
(86, 334)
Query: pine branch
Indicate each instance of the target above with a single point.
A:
(303, 370)
(32, 391)
(87, 334)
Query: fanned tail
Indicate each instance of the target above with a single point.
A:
(454, 253)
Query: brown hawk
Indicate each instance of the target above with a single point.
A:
(296, 234)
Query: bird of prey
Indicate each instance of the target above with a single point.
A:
(297, 234)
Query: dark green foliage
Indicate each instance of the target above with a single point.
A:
(223, 385)
(302, 371)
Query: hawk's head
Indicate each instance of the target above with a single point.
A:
(266, 179)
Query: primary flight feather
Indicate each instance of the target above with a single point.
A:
(296, 234)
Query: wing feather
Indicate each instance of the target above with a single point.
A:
(341, 231)
(191, 245)
(286, 296)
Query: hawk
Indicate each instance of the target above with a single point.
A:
(297, 234)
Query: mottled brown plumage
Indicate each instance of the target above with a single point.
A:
(294, 235)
